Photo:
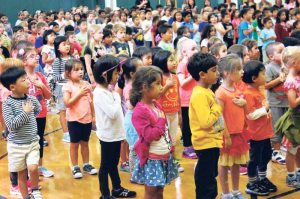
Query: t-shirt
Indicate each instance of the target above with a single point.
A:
(190, 26)
(146, 25)
(185, 91)
(38, 93)
(234, 115)
(82, 38)
(276, 95)
(260, 128)
(202, 24)
(267, 33)
(81, 110)
(39, 43)
(229, 35)
(166, 46)
(49, 50)
(121, 48)
(62, 25)
(170, 101)
(245, 25)
(139, 40)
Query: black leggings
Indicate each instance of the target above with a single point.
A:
(110, 155)
(186, 131)
(41, 125)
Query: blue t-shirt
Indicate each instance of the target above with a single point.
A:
(190, 26)
(267, 33)
(139, 40)
(38, 44)
(202, 25)
(245, 25)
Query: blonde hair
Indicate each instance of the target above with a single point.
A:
(180, 45)
(11, 62)
(118, 27)
(90, 41)
(290, 54)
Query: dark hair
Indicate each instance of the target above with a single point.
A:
(105, 63)
(53, 23)
(229, 63)
(57, 41)
(31, 24)
(154, 50)
(296, 23)
(244, 11)
(206, 31)
(144, 76)
(79, 22)
(140, 52)
(259, 21)
(186, 13)
(176, 40)
(155, 19)
(109, 26)
(210, 15)
(200, 62)
(128, 67)
(69, 28)
(11, 75)
(252, 69)
(256, 13)
(174, 16)
(237, 49)
(296, 34)
(46, 34)
(290, 41)
(106, 33)
(17, 28)
(181, 30)
(266, 9)
(70, 65)
(160, 60)
(128, 30)
(280, 12)
(163, 29)
(266, 20)
(249, 43)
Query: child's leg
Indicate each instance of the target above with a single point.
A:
(186, 132)
(22, 181)
(265, 159)
(153, 192)
(41, 125)
(290, 162)
(223, 175)
(85, 153)
(32, 161)
(235, 177)
(74, 153)
(34, 176)
(63, 121)
(113, 169)
(124, 149)
(255, 156)
(206, 172)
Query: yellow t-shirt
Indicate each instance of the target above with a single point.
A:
(206, 120)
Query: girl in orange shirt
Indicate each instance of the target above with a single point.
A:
(235, 150)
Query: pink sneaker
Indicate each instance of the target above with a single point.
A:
(243, 170)
(15, 191)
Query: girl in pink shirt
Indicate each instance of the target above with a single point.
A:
(77, 96)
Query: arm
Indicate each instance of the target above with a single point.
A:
(226, 134)
(37, 107)
(184, 81)
(273, 83)
(294, 101)
(46, 59)
(219, 27)
(45, 87)
(88, 63)
(107, 105)
(253, 112)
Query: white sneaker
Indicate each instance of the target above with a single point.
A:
(43, 171)
(76, 173)
(66, 138)
(36, 194)
(278, 157)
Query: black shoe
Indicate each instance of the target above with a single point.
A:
(268, 185)
(107, 197)
(257, 189)
(123, 193)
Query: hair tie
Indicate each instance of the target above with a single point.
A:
(21, 52)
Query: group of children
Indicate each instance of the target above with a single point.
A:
(135, 83)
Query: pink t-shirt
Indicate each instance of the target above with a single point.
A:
(4, 93)
(185, 91)
(81, 110)
(38, 93)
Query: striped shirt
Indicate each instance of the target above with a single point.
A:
(22, 126)
(59, 69)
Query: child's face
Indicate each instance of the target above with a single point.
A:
(83, 26)
(4, 19)
(189, 48)
(155, 89)
(107, 40)
(246, 57)
(187, 33)
(260, 80)
(178, 16)
(268, 13)
(121, 35)
(142, 15)
(237, 13)
(254, 53)
(213, 19)
(21, 86)
(128, 37)
(31, 59)
(298, 26)
(269, 24)
(210, 77)
(282, 16)
(51, 38)
(33, 29)
(248, 15)
(297, 16)
(64, 47)
(136, 22)
(277, 53)
(168, 35)
(226, 19)
(123, 17)
(56, 28)
(222, 52)
(147, 59)
(61, 15)
(114, 78)
(2, 28)
(274, 13)
(68, 16)
(77, 73)
(77, 17)
(91, 17)
(172, 63)
(187, 18)
(237, 74)
(72, 39)
(98, 35)
(212, 32)
(148, 15)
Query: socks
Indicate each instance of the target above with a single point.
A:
(73, 167)
(86, 164)
(252, 180)
(291, 174)
(262, 175)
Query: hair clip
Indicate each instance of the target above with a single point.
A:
(119, 64)
(51, 27)
(21, 51)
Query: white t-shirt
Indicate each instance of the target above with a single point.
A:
(49, 50)
(62, 25)
(147, 24)
(109, 115)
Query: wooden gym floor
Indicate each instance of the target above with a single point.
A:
(63, 186)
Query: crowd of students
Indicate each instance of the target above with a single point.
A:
(227, 76)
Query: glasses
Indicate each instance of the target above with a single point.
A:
(113, 68)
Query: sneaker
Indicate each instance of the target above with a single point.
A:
(189, 153)
(238, 195)
(15, 191)
(76, 173)
(268, 185)
(243, 170)
(45, 143)
(36, 194)
(298, 180)
(257, 189)
(227, 196)
(123, 193)
(43, 171)
(107, 197)
(125, 167)
(291, 181)
(90, 169)
(66, 138)
(277, 157)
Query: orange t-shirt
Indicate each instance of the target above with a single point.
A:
(170, 101)
(81, 110)
(261, 128)
(234, 115)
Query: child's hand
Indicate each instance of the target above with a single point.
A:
(282, 77)
(170, 82)
(161, 114)
(101, 52)
(27, 106)
(239, 101)
(84, 91)
(38, 83)
(227, 142)
(266, 105)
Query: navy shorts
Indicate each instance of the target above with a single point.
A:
(79, 132)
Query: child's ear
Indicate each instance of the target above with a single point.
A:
(254, 79)
(12, 87)
(202, 75)
(131, 74)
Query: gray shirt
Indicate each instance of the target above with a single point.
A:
(276, 95)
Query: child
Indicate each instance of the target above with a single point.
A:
(228, 36)
(107, 42)
(207, 125)
(146, 26)
(276, 95)
(21, 123)
(48, 51)
(170, 98)
(235, 148)
(109, 122)
(137, 32)
(208, 32)
(166, 37)
(213, 20)
(38, 87)
(267, 36)
(186, 48)
(245, 29)
(62, 49)
(77, 96)
(144, 54)
(128, 39)
(4, 39)
(33, 32)
(82, 36)
(282, 28)
(187, 16)
(155, 166)
(177, 20)
(288, 124)
(259, 126)
(75, 48)
(236, 21)
(253, 50)
(219, 50)
(120, 45)
(41, 27)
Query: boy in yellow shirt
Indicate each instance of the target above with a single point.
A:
(206, 124)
